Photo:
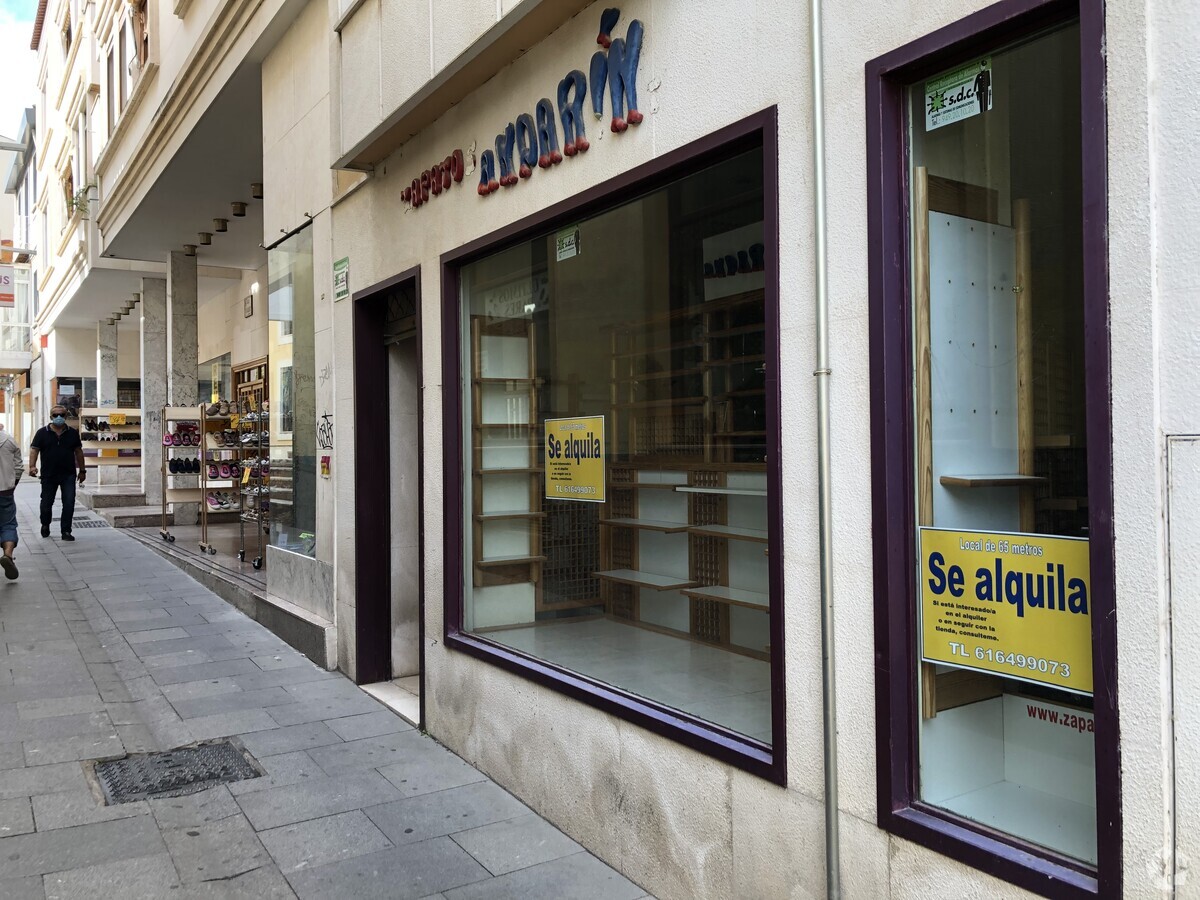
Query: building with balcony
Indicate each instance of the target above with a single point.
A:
(762, 450)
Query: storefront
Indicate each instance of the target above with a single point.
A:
(576, 345)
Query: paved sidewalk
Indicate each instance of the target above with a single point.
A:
(109, 649)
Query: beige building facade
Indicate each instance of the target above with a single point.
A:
(742, 626)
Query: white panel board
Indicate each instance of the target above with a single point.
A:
(972, 331)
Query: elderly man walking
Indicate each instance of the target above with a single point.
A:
(11, 469)
(62, 454)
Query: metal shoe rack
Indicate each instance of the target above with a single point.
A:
(221, 469)
(181, 459)
(255, 488)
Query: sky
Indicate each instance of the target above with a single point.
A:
(18, 64)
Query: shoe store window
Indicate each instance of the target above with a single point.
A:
(619, 415)
(992, 341)
(292, 418)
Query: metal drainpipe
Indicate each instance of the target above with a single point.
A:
(833, 889)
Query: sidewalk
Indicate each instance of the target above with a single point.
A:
(109, 650)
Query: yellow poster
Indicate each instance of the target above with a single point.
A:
(1017, 605)
(575, 459)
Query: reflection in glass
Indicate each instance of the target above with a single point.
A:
(292, 395)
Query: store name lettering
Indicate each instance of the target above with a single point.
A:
(1052, 591)
(433, 181)
(535, 141)
(573, 448)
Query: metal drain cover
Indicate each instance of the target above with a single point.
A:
(173, 773)
(89, 523)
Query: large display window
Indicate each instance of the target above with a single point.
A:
(292, 416)
(995, 614)
(618, 412)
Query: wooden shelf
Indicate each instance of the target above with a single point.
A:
(113, 461)
(1003, 480)
(114, 445)
(184, 495)
(648, 525)
(661, 404)
(734, 596)
(100, 412)
(489, 561)
(731, 532)
(527, 381)
(509, 514)
(646, 579)
(514, 470)
(728, 491)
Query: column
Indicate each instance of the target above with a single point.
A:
(182, 347)
(154, 384)
(182, 343)
(106, 385)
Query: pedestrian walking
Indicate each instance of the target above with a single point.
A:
(62, 462)
(11, 469)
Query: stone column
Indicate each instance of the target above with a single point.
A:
(182, 342)
(154, 384)
(106, 385)
(182, 348)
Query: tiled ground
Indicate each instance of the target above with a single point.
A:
(109, 649)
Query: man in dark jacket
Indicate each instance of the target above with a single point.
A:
(62, 456)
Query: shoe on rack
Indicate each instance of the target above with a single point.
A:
(214, 472)
(173, 466)
(213, 409)
(212, 501)
(167, 439)
(225, 471)
(176, 440)
(224, 407)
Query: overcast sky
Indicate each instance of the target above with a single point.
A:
(17, 63)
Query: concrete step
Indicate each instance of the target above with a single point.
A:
(135, 516)
(110, 496)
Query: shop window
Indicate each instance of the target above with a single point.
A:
(620, 508)
(998, 559)
(293, 415)
(214, 379)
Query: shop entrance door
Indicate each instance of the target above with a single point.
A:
(388, 540)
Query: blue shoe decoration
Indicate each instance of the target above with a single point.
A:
(570, 110)
(608, 21)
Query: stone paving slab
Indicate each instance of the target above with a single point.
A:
(107, 649)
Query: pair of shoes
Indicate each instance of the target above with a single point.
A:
(45, 531)
(10, 567)
(218, 500)
(184, 466)
(67, 536)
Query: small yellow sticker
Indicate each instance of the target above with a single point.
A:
(116, 418)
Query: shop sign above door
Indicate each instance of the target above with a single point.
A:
(535, 142)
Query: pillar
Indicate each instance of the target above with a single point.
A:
(182, 341)
(106, 385)
(154, 384)
(182, 349)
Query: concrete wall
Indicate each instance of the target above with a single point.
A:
(74, 352)
(222, 326)
(677, 822)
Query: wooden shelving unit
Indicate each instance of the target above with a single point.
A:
(126, 450)
(684, 527)
(505, 473)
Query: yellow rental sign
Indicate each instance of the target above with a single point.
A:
(1017, 605)
(575, 459)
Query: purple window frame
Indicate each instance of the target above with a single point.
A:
(756, 131)
(894, 532)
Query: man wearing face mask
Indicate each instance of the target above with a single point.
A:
(62, 456)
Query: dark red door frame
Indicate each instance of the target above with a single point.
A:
(372, 486)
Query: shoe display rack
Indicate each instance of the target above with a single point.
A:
(254, 447)
(221, 465)
(181, 463)
(111, 436)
